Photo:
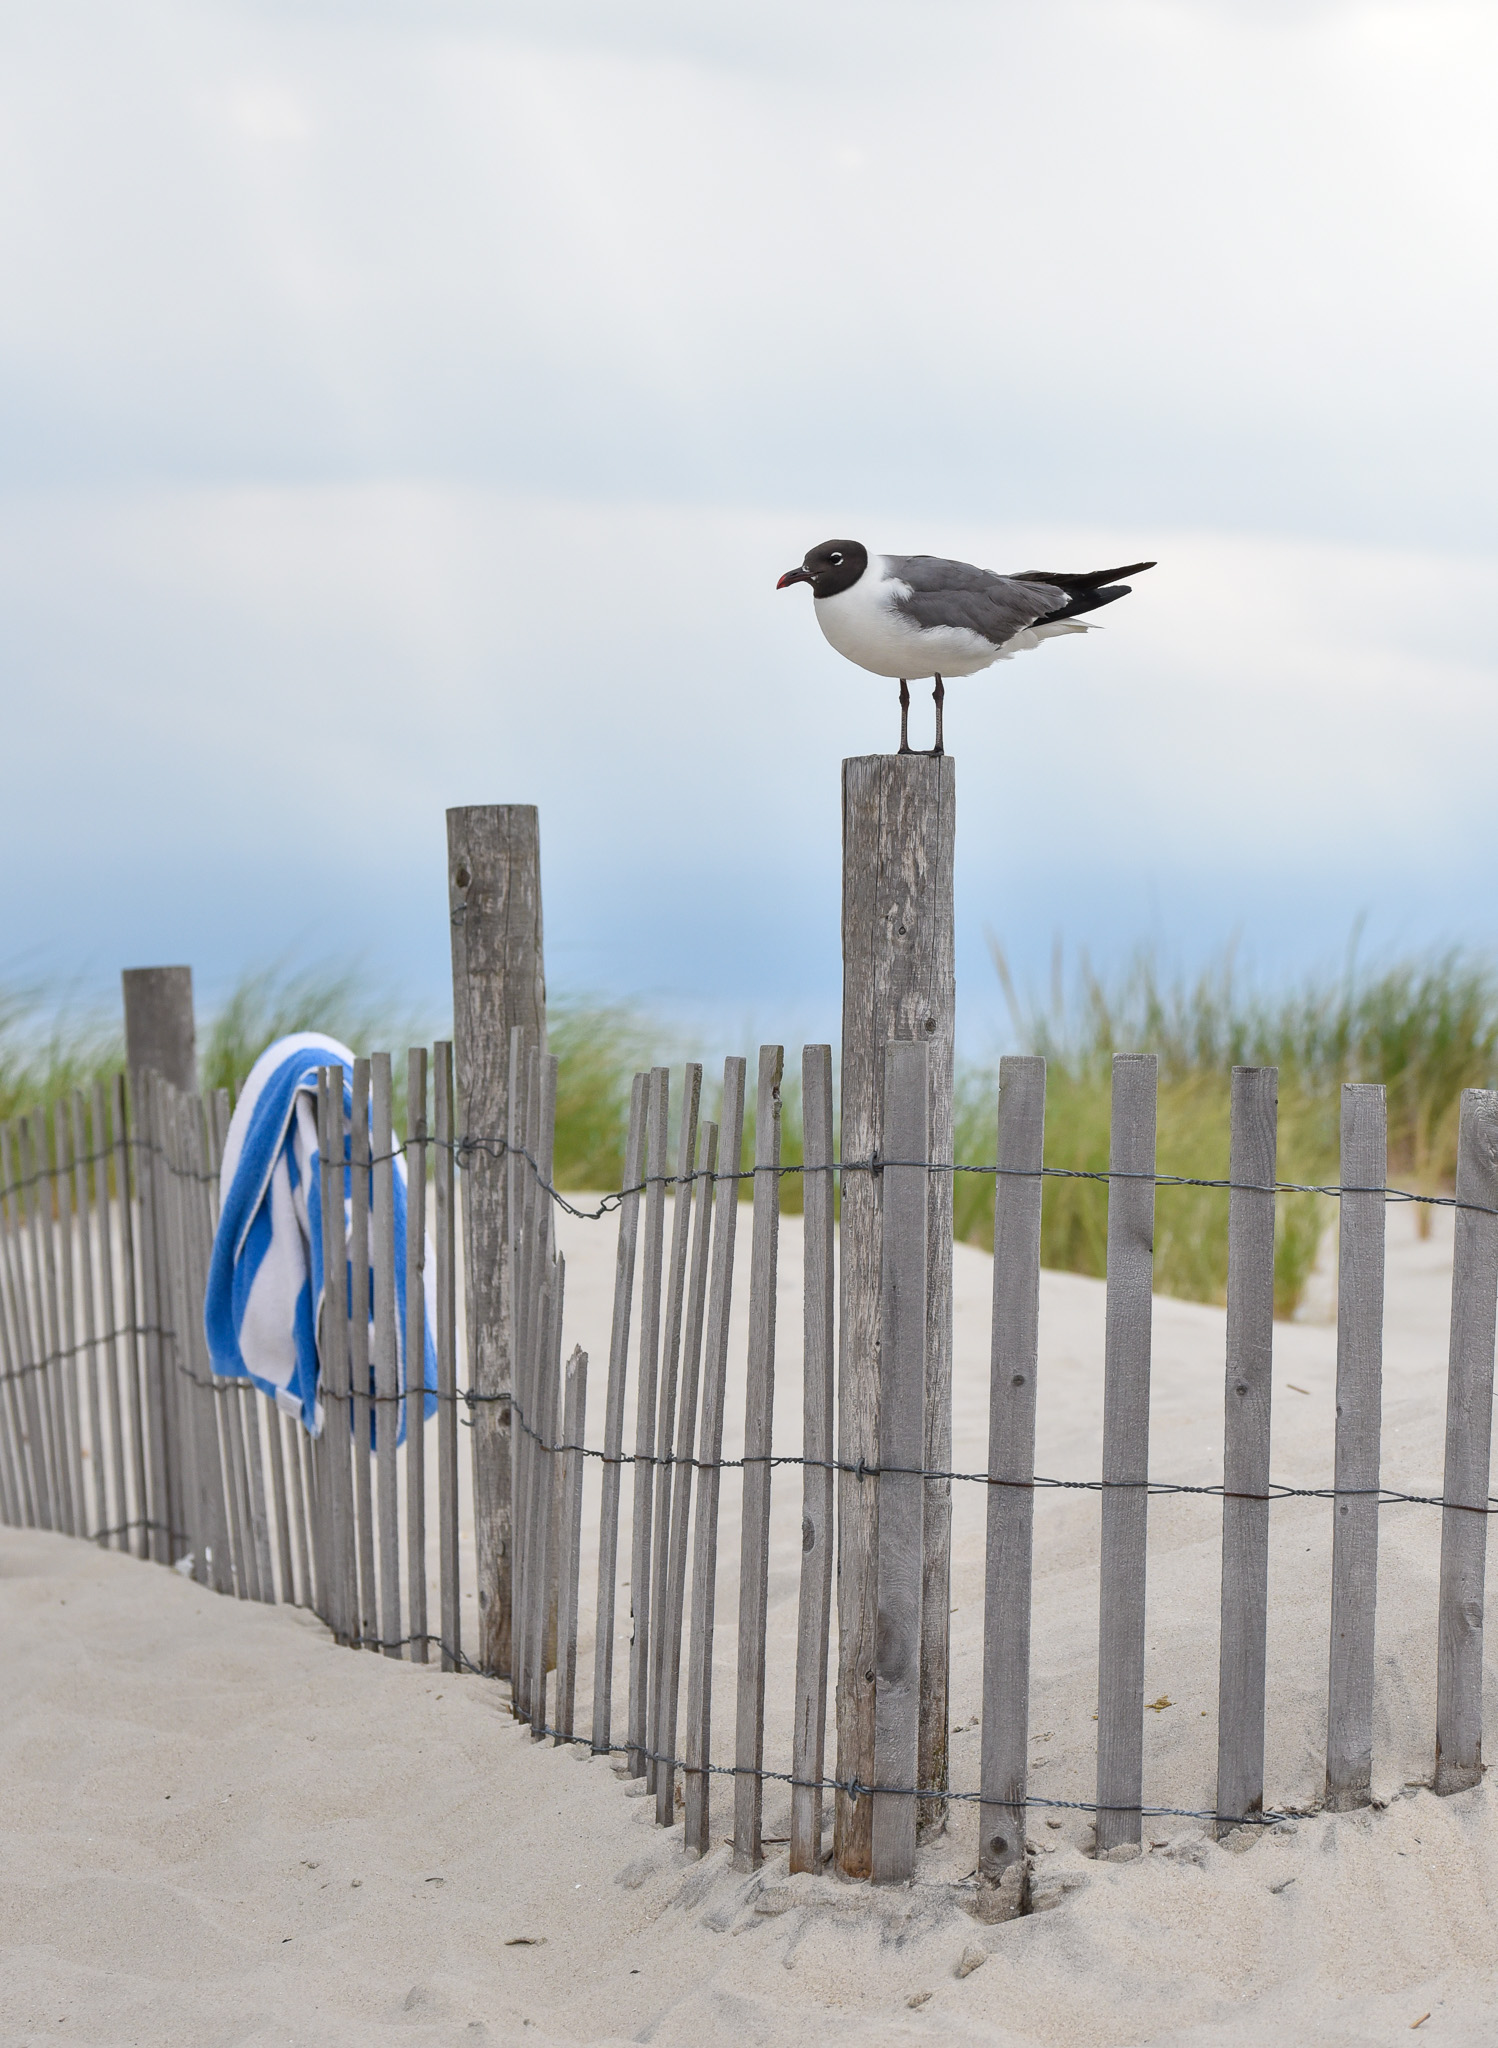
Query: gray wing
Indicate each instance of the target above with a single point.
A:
(957, 594)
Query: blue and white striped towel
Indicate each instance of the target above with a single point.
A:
(265, 1279)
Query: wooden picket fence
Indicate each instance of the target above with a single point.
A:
(114, 1428)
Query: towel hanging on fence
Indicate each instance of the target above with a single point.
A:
(265, 1278)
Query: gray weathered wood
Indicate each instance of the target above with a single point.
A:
(494, 900)
(897, 936)
(665, 1420)
(1014, 1358)
(645, 1396)
(536, 1370)
(360, 1280)
(294, 1444)
(22, 1399)
(681, 1496)
(333, 1348)
(759, 1413)
(168, 1537)
(88, 1321)
(414, 1341)
(1245, 1453)
(117, 1361)
(574, 1422)
(160, 1034)
(1469, 1430)
(386, 1357)
(449, 1575)
(1126, 1414)
(525, 1295)
(814, 1608)
(206, 1467)
(131, 1353)
(1360, 1331)
(697, 1745)
(902, 1376)
(29, 1296)
(281, 1503)
(69, 1327)
(613, 1426)
(44, 1254)
(251, 1402)
(529, 1344)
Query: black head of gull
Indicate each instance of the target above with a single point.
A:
(920, 615)
(830, 569)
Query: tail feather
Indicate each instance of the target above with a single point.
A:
(1086, 592)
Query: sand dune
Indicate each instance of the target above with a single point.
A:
(218, 1828)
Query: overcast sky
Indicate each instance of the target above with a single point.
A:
(413, 402)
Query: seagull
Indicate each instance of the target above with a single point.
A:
(917, 615)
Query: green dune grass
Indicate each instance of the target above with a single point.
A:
(1426, 1027)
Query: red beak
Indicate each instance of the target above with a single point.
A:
(792, 576)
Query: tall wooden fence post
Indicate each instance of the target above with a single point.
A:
(898, 983)
(160, 1038)
(160, 1032)
(494, 897)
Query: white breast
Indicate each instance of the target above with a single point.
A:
(864, 626)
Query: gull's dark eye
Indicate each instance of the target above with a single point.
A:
(836, 558)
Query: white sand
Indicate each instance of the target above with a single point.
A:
(218, 1828)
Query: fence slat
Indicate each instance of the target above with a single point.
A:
(153, 1296)
(415, 1338)
(813, 1615)
(131, 1353)
(13, 1507)
(112, 1339)
(1360, 1329)
(335, 1480)
(759, 1411)
(207, 1505)
(1469, 1430)
(1243, 1637)
(1013, 1367)
(1126, 1411)
(522, 1372)
(645, 1392)
(386, 1357)
(361, 1281)
(543, 1493)
(281, 1502)
(681, 1495)
(448, 1560)
(291, 1434)
(574, 1422)
(87, 1323)
(44, 1254)
(22, 1392)
(665, 1420)
(902, 1379)
(613, 1425)
(59, 1238)
(697, 1747)
(20, 1507)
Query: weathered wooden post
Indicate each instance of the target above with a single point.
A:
(494, 897)
(160, 1038)
(898, 983)
(160, 1034)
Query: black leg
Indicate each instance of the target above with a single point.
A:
(904, 716)
(939, 697)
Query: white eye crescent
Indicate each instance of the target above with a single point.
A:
(837, 558)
